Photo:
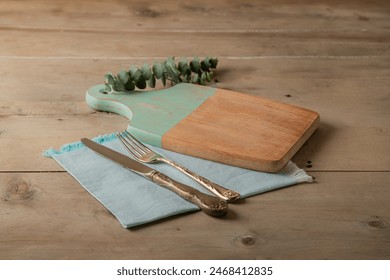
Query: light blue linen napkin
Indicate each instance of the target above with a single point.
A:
(133, 200)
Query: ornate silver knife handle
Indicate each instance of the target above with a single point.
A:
(225, 194)
(211, 205)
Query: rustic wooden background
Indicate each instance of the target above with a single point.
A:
(330, 56)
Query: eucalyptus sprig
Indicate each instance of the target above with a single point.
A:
(195, 71)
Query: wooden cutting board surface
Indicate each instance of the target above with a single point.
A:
(215, 124)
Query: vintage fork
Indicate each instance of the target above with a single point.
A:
(146, 155)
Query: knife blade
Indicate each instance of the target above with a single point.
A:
(211, 205)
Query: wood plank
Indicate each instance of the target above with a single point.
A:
(23, 139)
(74, 44)
(351, 95)
(342, 216)
(203, 16)
(350, 83)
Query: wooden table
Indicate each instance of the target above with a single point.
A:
(332, 57)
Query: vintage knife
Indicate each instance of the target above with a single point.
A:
(209, 204)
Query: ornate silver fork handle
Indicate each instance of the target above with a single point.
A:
(225, 194)
(146, 155)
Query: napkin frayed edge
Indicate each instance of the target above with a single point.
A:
(300, 175)
(78, 145)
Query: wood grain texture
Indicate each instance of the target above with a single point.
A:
(201, 15)
(49, 43)
(23, 139)
(243, 130)
(48, 216)
(331, 56)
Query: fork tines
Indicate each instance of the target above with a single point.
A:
(131, 144)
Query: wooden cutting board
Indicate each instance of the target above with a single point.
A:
(215, 124)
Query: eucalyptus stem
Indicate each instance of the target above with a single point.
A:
(195, 71)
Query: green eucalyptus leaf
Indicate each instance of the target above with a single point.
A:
(135, 73)
(140, 82)
(181, 67)
(129, 86)
(152, 82)
(195, 79)
(123, 76)
(146, 72)
(171, 69)
(109, 79)
(213, 62)
(205, 65)
(184, 68)
(208, 76)
(203, 79)
(170, 61)
(157, 70)
(172, 72)
(118, 86)
(187, 78)
(163, 80)
(107, 88)
(195, 66)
